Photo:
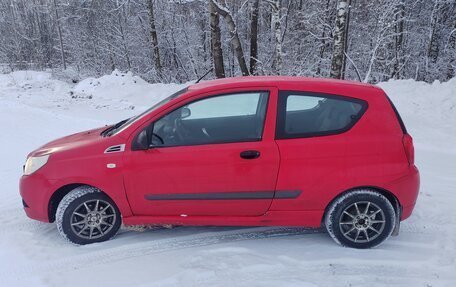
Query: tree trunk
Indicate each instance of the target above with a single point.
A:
(59, 30)
(277, 36)
(323, 39)
(398, 40)
(433, 48)
(235, 41)
(254, 38)
(452, 50)
(154, 38)
(216, 43)
(338, 57)
(346, 33)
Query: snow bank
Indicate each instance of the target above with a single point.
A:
(428, 110)
(92, 98)
(123, 90)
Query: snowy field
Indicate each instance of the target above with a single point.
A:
(36, 108)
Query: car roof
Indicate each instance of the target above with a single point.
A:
(279, 81)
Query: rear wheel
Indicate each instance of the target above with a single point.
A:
(86, 215)
(360, 219)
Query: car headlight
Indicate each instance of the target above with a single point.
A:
(34, 163)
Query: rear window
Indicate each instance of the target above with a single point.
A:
(310, 114)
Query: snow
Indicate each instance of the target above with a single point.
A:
(428, 110)
(35, 107)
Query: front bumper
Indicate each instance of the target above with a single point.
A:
(35, 191)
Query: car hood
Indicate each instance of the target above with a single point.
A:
(70, 142)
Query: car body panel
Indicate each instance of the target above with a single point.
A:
(314, 169)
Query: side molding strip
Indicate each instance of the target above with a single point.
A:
(279, 194)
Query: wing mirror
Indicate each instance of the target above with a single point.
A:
(141, 141)
(185, 113)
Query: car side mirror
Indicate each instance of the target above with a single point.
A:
(141, 141)
(185, 113)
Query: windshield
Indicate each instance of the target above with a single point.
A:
(126, 123)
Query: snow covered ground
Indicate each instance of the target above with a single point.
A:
(35, 108)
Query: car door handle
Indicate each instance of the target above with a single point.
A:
(250, 154)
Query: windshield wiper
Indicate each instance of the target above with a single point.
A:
(109, 131)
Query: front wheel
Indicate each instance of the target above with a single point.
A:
(85, 215)
(360, 219)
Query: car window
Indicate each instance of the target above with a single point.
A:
(226, 118)
(126, 123)
(225, 106)
(296, 103)
(309, 114)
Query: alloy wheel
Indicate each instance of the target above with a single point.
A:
(93, 219)
(362, 221)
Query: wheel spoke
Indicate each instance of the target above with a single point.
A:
(357, 209)
(87, 207)
(83, 228)
(375, 230)
(357, 234)
(100, 230)
(347, 223)
(367, 208)
(353, 228)
(107, 216)
(105, 208)
(78, 223)
(374, 214)
(365, 233)
(349, 214)
(377, 221)
(90, 232)
(79, 214)
(96, 205)
(106, 223)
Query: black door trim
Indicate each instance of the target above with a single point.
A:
(239, 195)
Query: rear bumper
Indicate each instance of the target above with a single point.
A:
(407, 190)
(35, 193)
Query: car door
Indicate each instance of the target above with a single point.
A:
(317, 146)
(213, 155)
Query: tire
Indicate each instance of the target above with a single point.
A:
(86, 215)
(360, 219)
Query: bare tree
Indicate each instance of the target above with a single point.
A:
(59, 30)
(235, 41)
(338, 56)
(254, 37)
(276, 28)
(398, 40)
(154, 37)
(451, 48)
(216, 45)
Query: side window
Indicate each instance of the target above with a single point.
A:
(308, 114)
(220, 119)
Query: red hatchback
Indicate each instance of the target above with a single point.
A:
(250, 151)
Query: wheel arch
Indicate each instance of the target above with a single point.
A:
(386, 193)
(58, 195)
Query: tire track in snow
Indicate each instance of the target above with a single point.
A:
(148, 248)
(144, 248)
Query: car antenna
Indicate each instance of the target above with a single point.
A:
(202, 77)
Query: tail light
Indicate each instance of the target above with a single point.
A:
(407, 141)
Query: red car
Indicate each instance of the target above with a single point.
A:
(250, 151)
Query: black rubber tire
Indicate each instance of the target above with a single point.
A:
(71, 201)
(337, 207)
